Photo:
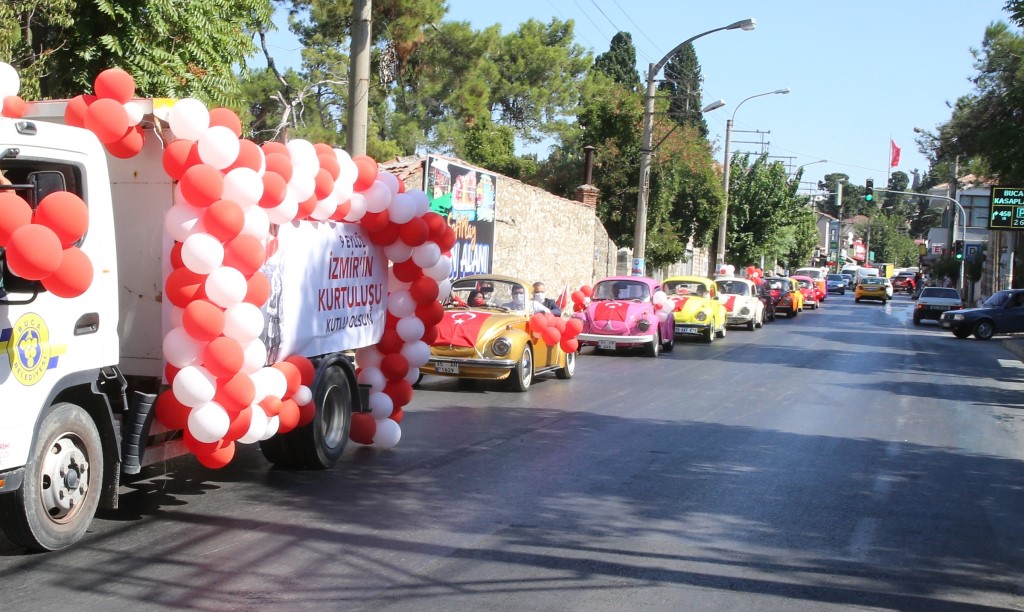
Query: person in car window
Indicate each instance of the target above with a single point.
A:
(476, 299)
(518, 298)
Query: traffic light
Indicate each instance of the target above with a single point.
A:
(958, 250)
(869, 190)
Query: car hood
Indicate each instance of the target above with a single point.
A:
(970, 311)
(467, 328)
(734, 302)
(617, 316)
(687, 307)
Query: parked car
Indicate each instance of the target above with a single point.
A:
(786, 293)
(934, 301)
(622, 314)
(1003, 313)
(836, 283)
(697, 310)
(871, 288)
(485, 335)
(904, 282)
(809, 288)
(742, 306)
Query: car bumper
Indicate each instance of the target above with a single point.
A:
(461, 367)
(872, 296)
(931, 313)
(739, 319)
(690, 329)
(618, 340)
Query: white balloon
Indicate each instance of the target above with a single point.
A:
(398, 251)
(412, 376)
(272, 424)
(402, 209)
(410, 329)
(659, 297)
(381, 405)
(254, 356)
(257, 223)
(349, 172)
(342, 190)
(444, 289)
(662, 315)
(388, 433)
(357, 209)
(257, 426)
(390, 181)
(181, 349)
(10, 82)
(303, 395)
(278, 382)
(244, 186)
(426, 256)
(325, 207)
(373, 377)
(401, 304)
(417, 353)
(226, 287)
(189, 118)
(303, 155)
(194, 386)
(218, 147)
(302, 186)
(378, 197)
(180, 220)
(209, 422)
(284, 213)
(440, 270)
(135, 113)
(202, 253)
(243, 322)
(420, 200)
(368, 357)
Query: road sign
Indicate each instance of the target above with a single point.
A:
(1007, 212)
(972, 250)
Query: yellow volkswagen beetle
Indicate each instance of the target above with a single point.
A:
(485, 335)
(696, 307)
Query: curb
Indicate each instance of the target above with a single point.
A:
(1015, 346)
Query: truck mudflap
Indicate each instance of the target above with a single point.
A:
(11, 480)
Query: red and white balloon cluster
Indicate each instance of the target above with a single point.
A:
(110, 114)
(663, 306)
(418, 246)
(755, 274)
(581, 297)
(555, 330)
(11, 104)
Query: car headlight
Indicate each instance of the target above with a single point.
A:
(744, 311)
(958, 317)
(701, 316)
(643, 325)
(501, 346)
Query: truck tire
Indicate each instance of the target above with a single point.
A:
(63, 480)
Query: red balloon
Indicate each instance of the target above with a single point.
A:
(430, 313)
(342, 211)
(550, 336)
(171, 413)
(259, 289)
(182, 286)
(223, 357)
(587, 290)
(447, 240)
(14, 213)
(329, 162)
(275, 188)
(34, 252)
(288, 417)
(415, 232)
(400, 391)
(227, 118)
(424, 289)
(397, 414)
(74, 112)
(394, 366)
(72, 277)
(323, 184)
(429, 334)
(557, 322)
(306, 207)
(107, 119)
(291, 374)
(573, 327)
(200, 448)
(129, 145)
(245, 253)
(577, 297)
(271, 405)
(279, 163)
(204, 321)
(375, 222)
(390, 342)
(407, 271)
(66, 214)
(569, 345)
(363, 428)
(307, 413)
(202, 185)
(240, 422)
(223, 220)
(179, 156)
(436, 223)
(235, 393)
(322, 148)
(14, 107)
(219, 457)
(367, 172)
(307, 371)
(276, 147)
(170, 371)
(386, 235)
(116, 84)
(250, 155)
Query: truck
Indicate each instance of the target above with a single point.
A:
(80, 375)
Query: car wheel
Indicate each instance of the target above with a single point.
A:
(721, 332)
(710, 336)
(63, 481)
(669, 344)
(984, 330)
(419, 379)
(883, 302)
(522, 374)
(856, 300)
(570, 367)
(961, 333)
(917, 320)
(653, 348)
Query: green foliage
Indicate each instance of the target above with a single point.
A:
(619, 62)
(889, 239)
(493, 147)
(682, 85)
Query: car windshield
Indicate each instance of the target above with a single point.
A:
(998, 299)
(836, 277)
(872, 280)
(805, 284)
(621, 290)
(774, 284)
(940, 292)
(487, 293)
(733, 287)
(678, 287)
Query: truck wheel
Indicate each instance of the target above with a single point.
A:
(570, 367)
(57, 502)
(522, 374)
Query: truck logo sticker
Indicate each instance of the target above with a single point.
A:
(28, 349)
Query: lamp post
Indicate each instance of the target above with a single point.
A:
(722, 228)
(801, 167)
(640, 228)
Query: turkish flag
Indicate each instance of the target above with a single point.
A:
(730, 302)
(563, 298)
(894, 154)
(460, 328)
(611, 310)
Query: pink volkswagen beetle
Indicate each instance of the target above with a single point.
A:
(623, 314)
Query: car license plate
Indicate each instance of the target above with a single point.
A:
(940, 307)
(944, 323)
(680, 329)
(608, 345)
(446, 368)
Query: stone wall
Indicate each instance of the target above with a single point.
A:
(538, 236)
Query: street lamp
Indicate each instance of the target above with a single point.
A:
(720, 259)
(640, 229)
(799, 168)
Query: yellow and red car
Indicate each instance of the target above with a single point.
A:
(697, 310)
(810, 290)
(485, 335)
(786, 294)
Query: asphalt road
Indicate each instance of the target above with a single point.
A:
(841, 460)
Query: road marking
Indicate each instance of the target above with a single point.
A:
(1010, 363)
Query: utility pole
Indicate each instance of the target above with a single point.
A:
(359, 79)
(839, 205)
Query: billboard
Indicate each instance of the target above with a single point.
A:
(1007, 211)
(466, 197)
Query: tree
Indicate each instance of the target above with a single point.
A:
(619, 62)
(683, 85)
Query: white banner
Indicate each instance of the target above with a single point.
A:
(328, 290)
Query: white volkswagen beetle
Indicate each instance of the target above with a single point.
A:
(739, 296)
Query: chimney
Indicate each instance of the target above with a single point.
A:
(587, 193)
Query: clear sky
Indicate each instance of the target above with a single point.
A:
(859, 72)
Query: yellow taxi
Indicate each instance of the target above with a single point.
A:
(871, 288)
